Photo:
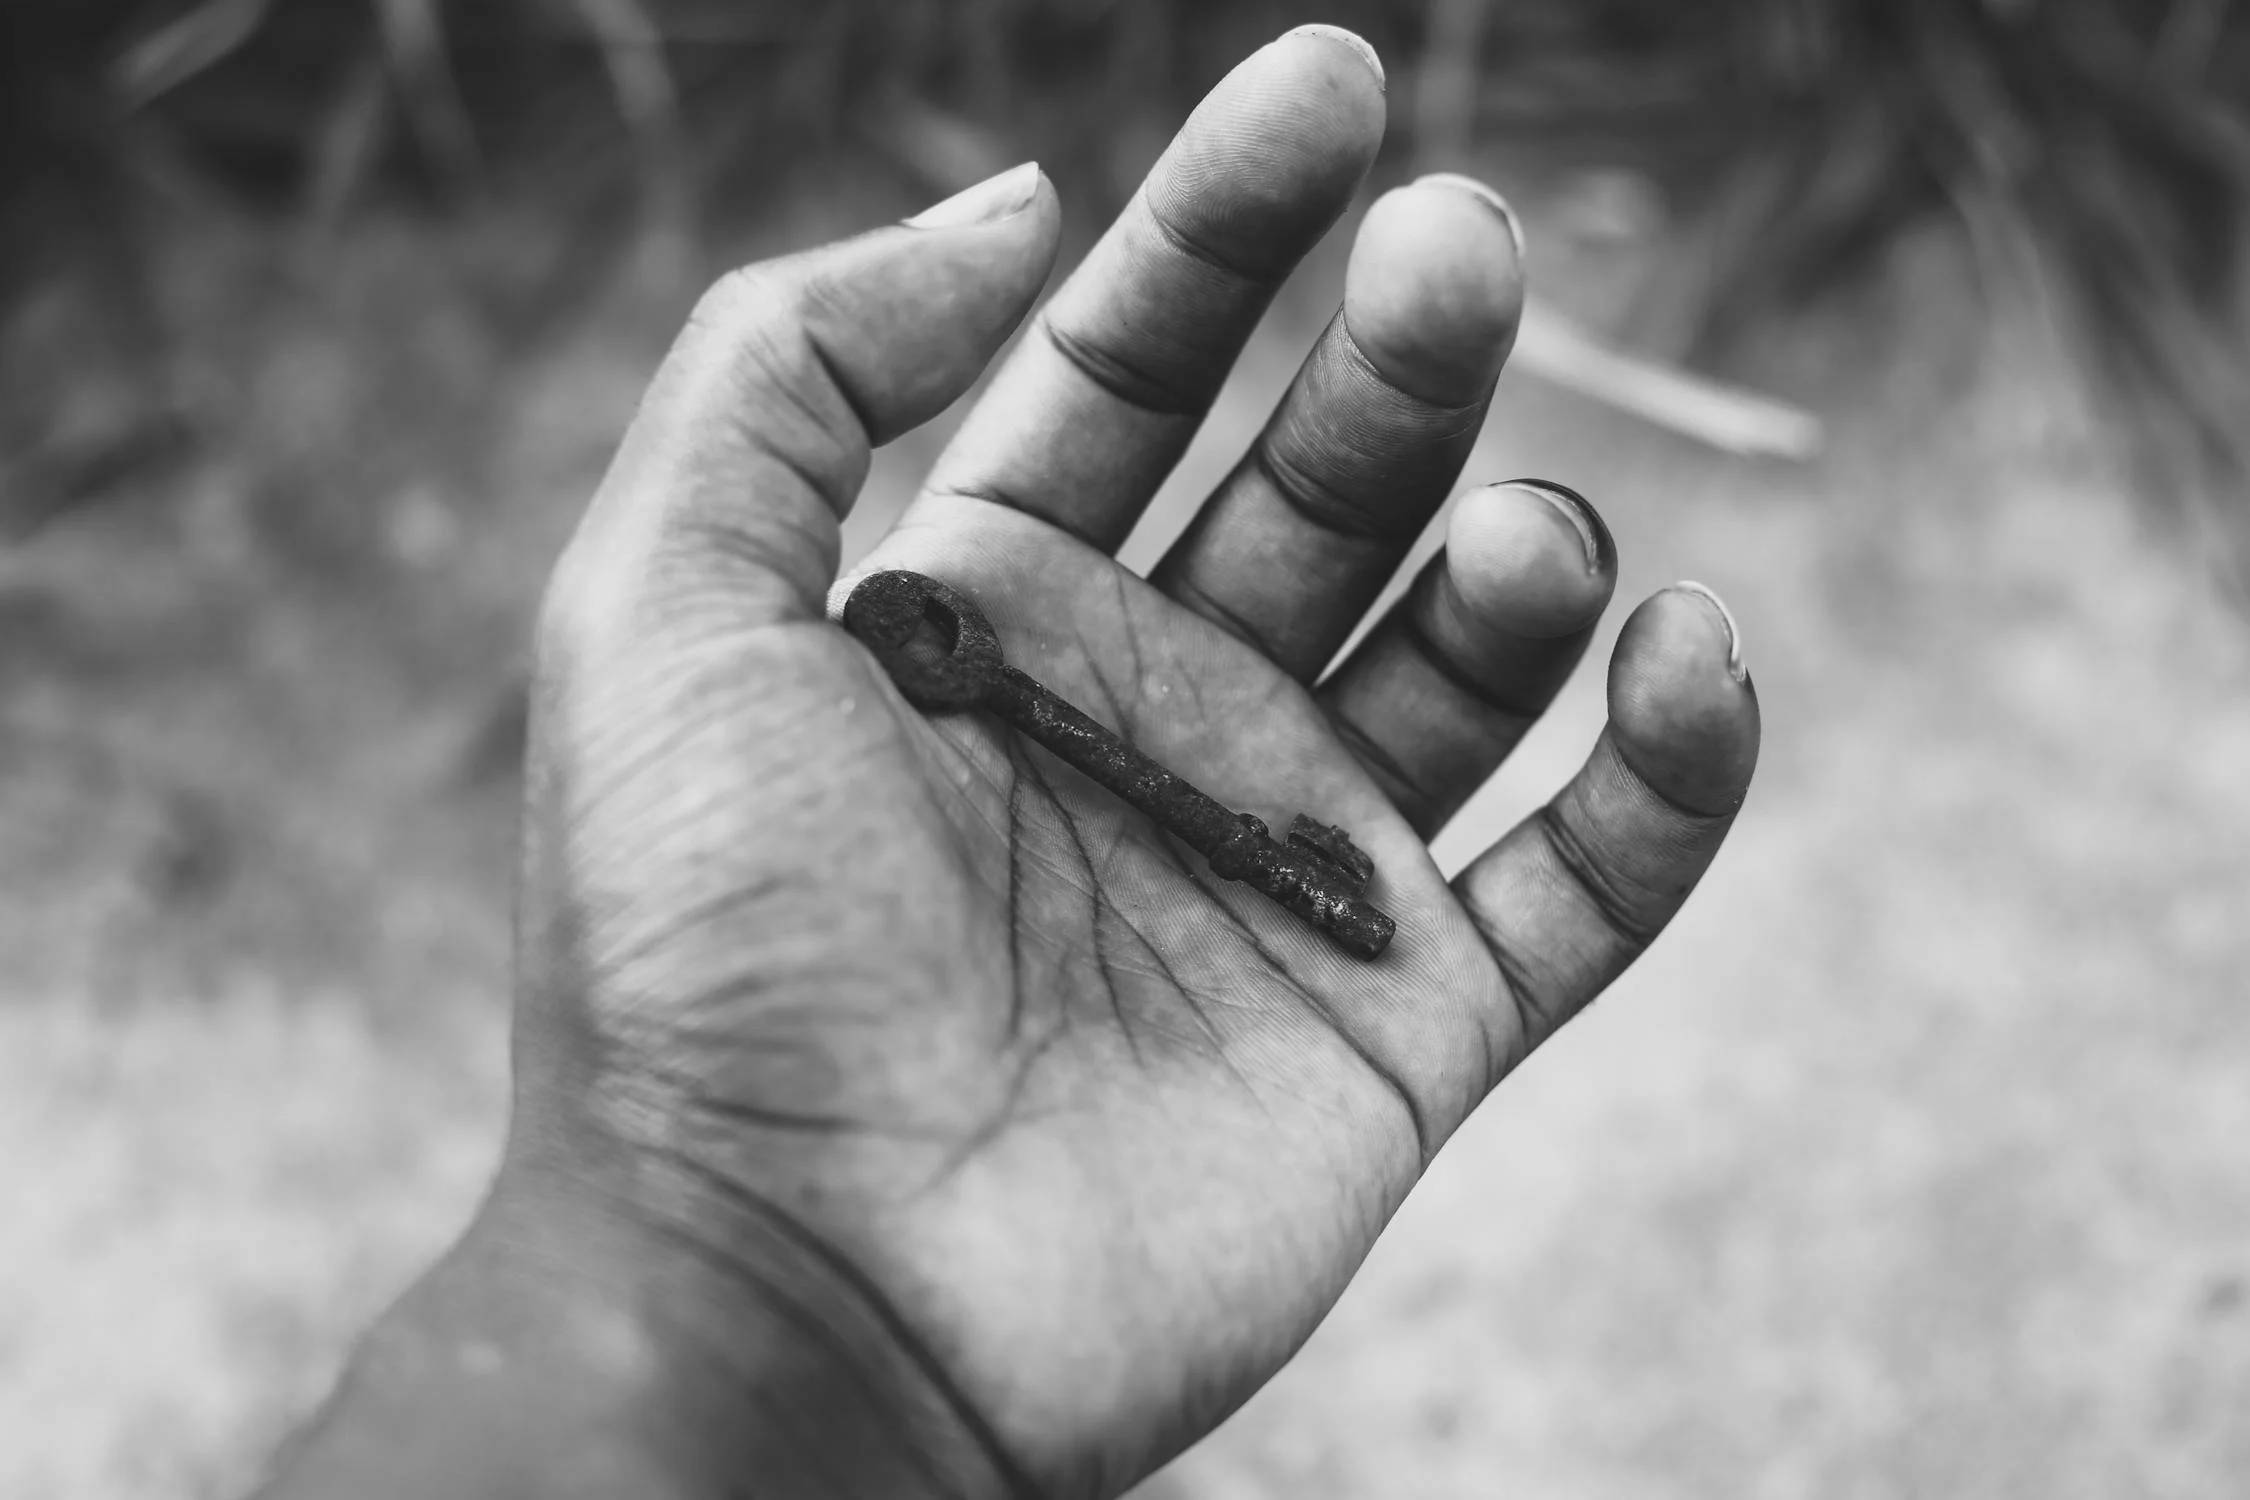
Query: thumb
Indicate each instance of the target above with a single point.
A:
(753, 440)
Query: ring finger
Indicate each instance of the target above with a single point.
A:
(1445, 685)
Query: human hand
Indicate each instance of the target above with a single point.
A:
(896, 1110)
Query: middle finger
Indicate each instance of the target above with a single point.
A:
(1363, 449)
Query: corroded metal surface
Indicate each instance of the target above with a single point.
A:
(1334, 845)
(1319, 874)
(955, 666)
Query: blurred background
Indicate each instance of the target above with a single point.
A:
(1914, 1160)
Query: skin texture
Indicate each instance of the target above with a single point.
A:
(897, 1113)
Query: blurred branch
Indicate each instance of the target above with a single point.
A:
(414, 40)
(648, 99)
(346, 144)
(1726, 417)
(1445, 82)
(167, 56)
(633, 53)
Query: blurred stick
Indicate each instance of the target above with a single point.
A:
(167, 56)
(1448, 97)
(346, 144)
(414, 41)
(1726, 417)
(632, 51)
(1446, 82)
(648, 100)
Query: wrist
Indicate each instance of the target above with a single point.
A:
(572, 1345)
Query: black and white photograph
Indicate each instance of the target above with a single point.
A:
(1190, 749)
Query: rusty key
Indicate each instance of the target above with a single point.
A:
(1319, 874)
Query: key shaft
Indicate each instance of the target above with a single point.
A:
(1324, 893)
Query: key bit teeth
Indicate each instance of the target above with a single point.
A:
(1327, 842)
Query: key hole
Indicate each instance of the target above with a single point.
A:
(937, 635)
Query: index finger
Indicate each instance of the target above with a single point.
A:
(1097, 403)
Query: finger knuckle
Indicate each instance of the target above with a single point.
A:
(1633, 916)
(736, 301)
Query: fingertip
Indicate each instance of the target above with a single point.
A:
(1684, 712)
(1434, 290)
(1274, 152)
(1733, 632)
(996, 199)
(1014, 216)
(1360, 48)
(909, 316)
(1333, 74)
(1488, 195)
(1032, 236)
(1037, 226)
(1530, 560)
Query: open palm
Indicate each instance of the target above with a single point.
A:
(1054, 1143)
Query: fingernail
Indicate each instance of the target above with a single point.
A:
(1485, 195)
(1353, 40)
(1735, 668)
(991, 200)
(1593, 535)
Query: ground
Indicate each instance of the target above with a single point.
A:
(1910, 1161)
